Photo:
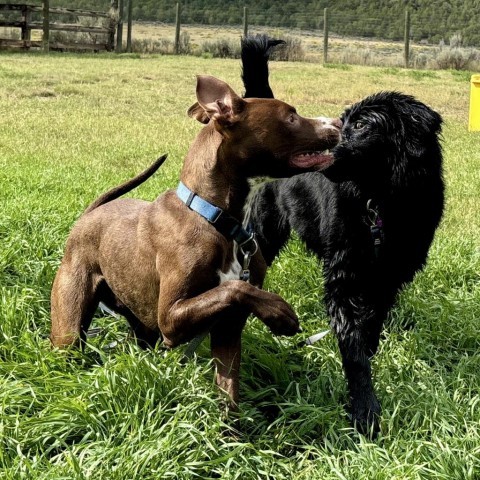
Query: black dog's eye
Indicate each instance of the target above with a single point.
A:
(358, 125)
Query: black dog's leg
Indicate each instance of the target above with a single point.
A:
(269, 220)
(371, 334)
(381, 301)
(365, 408)
(351, 315)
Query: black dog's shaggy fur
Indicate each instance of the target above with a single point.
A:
(389, 158)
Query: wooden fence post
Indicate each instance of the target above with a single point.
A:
(112, 24)
(46, 25)
(177, 29)
(26, 32)
(120, 27)
(129, 26)
(407, 38)
(245, 21)
(325, 35)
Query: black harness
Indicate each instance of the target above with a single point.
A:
(375, 222)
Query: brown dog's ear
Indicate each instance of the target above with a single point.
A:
(197, 112)
(217, 99)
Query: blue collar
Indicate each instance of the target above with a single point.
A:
(227, 225)
(198, 204)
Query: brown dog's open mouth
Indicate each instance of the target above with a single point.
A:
(317, 160)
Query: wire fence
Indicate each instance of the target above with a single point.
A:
(402, 45)
(385, 21)
(389, 26)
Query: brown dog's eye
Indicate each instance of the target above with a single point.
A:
(358, 125)
(291, 118)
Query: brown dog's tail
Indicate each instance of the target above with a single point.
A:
(127, 186)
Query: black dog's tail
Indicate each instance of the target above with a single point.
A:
(255, 54)
(127, 186)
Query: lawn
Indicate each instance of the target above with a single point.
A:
(73, 126)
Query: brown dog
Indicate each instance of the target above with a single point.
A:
(167, 269)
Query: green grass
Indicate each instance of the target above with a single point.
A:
(72, 127)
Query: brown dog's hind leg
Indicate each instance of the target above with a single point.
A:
(144, 336)
(74, 301)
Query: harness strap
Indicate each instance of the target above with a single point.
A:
(375, 223)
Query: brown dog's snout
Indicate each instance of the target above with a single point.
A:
(334, 122)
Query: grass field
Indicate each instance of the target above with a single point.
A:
(73, 126)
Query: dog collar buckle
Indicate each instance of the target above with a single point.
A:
(247, 256)
(215, 217)
(245, 273)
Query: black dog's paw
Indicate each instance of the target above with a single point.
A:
(365, 417)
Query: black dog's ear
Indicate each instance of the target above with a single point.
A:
(427, 119)
(424, 126)
(436, 121)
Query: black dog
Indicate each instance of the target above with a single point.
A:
(371, 217)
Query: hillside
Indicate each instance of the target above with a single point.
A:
(432, 20)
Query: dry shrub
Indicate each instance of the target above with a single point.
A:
(163, 46)
(221, 48)
(291, 51)
(420, 60)
(455, 56)
(149, 45)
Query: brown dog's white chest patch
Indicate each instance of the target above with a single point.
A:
(233, 273)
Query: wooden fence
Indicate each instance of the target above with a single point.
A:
(113, 26)
(110, 22)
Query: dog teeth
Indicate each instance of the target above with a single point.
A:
(310, 154)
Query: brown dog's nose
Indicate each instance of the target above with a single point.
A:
(336, 122)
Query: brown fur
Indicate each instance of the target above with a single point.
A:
(158, 263)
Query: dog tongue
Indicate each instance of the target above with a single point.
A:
(309, 160)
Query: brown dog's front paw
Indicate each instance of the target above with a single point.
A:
(285, 326)
(279, 316)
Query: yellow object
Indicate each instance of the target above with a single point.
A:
(474, 119)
